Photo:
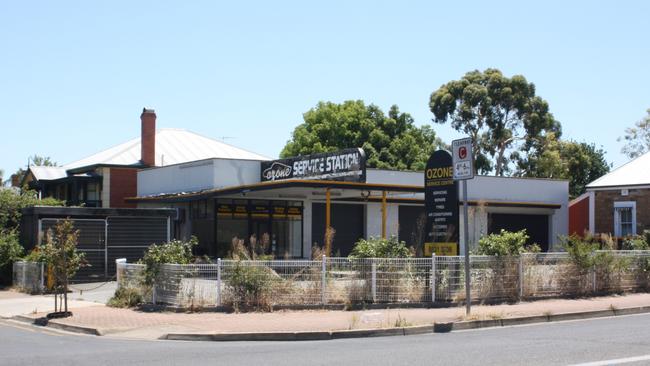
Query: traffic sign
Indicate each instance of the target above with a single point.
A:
(462, 159)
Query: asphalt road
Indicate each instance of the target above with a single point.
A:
(562, 343)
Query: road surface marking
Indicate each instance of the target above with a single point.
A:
(618, 361)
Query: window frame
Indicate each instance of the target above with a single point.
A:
(618, 225)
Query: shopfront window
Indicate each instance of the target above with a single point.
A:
(275, 225)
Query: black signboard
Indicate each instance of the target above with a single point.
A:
(441, 205)
(346, 165)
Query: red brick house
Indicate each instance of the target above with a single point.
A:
(617, 203)
(104, 179)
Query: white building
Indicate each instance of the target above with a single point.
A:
(218, 199)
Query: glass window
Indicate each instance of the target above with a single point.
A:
(624, 219)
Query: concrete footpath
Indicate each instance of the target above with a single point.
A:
(95, 318)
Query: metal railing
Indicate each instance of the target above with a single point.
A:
(29, 277)
(394, 280)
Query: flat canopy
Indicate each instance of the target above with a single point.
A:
(294, 188)
(315, 190)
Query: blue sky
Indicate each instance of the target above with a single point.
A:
(74, 76)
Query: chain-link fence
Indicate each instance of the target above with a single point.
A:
(29, 277)
(383, 280)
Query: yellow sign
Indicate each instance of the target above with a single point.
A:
(440, 249)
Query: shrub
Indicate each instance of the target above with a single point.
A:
(637, 242)
(381, 248)
(10, 251)
(506, 243)
(174, 251)
(251, 286)
(125, 297)
(12, 202)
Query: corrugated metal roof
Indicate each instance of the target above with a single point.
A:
(634, 172)
(173, 146)
(47, 172)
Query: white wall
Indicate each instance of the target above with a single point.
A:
(373, 219)
(197, 176)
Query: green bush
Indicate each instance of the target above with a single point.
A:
(381, 248)
(125, 297)
(580, 250)
(638, 242)
(12, 202)
(174, 251)
(10, 251)
(506, 243)
(251, 286)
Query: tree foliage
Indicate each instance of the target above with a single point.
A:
(390, 141)
(10, 251)
(12, 202)
(502, 115)
(637, 138)
(579, 162)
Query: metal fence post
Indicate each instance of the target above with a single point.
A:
(593, 279)
(42, 284)
(323, 280)
(24, 282)
(374, 281)
(521, 276)
(219, 282)
(153, 292)
(433, 277)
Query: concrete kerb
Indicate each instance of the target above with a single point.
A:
(355, 333)
(423, 329)
(44, 322)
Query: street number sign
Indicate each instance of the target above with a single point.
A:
(462, 159)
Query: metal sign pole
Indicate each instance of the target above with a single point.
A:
(463, 164)
(468, 296)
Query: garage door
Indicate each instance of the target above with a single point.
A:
(536, 226)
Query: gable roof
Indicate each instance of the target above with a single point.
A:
(173, 146)
(633, 173)
(47, 172)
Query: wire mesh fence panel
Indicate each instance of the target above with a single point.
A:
(348, 280)
(553, 275)
(620, 271)
(401, 280)
(491, 278)
(263, 284)
(29, 277)
(132, 276)
(257, 283)
(187, 285)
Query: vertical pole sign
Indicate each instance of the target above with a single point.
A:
(441, 206)
(464, 170)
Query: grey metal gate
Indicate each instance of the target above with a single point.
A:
(92, 242)
(104, 240)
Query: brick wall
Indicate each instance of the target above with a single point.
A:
(124, 183)
(605, 209)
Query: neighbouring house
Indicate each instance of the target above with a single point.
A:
(616, 203)
(106, 178)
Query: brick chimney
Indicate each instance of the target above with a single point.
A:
(148, 137)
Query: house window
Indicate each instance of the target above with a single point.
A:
(624, 218)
